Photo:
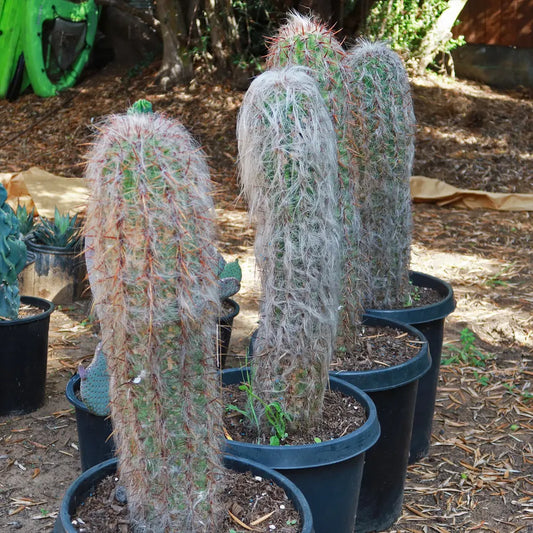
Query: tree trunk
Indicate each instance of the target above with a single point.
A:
(439, 34)
(176, 66)
(224, 32)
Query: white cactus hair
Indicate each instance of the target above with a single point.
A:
(288, 169)
(150, 223)
(382, 149)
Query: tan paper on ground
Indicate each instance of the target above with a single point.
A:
(430, 190)
(44, 191)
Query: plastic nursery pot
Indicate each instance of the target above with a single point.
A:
(85, 484)
(328, 473)
(95, 438)
(23, 359)
(428, 319)
(393, 390)
(54, 273)
(225, 325)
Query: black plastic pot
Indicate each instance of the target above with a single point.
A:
(328, 473)
(393, 390)
(54, 273)
(23, 359)
(428, 319)
(95, 439)
(225, 325)
(84, 485)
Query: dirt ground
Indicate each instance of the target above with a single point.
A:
(479, 475)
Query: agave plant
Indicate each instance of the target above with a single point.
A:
(64, 231)
(26, 220)
(12, 259)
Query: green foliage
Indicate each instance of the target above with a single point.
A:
(274, 413)
(482, 379)
(404, 23)
(12, 259)
(63, 232)
(26, 220)
(467, 353)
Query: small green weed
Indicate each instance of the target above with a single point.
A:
(496, 280)
(482, 379)
(276, 416)
(513, 389)
(413, 297)
(467, 353)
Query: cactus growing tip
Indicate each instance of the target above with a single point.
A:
(141, 106)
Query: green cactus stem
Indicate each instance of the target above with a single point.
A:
(12, 259)
(94, 384)
(308, 42)
(288, 167)
(229, 278)
(150, 223)
(382, 155)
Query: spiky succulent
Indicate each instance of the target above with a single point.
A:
(150, 223)
(64, 231)
(288, 167)
(382, 151)
(12, 259)
(26, 220)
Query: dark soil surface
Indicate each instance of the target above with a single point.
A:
(250, 500)
(333, 424)
(479, 474)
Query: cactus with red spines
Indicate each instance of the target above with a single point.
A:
(150, 224)
(289, 174)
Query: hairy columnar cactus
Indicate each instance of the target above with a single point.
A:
(288, 166)
(308, 42)
(382, 154)
(150, 223)
(12, 259)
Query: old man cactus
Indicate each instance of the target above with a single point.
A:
(150, 221)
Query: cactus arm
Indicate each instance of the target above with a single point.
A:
(94, 385)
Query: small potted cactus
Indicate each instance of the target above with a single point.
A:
(150, 220)
(55, 269)
(289, 172)
(24, 324)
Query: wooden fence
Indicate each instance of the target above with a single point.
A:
(501, 22)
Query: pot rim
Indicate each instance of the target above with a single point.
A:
(391, 377)
(85, 482)
(45, 305)
(425, 313)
